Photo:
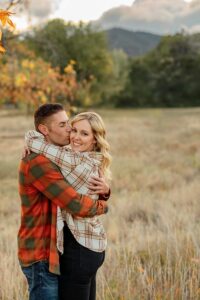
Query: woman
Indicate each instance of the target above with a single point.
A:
(84, 239)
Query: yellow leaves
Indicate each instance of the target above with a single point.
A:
(2, 49)
(69, 69)
(34, 82)
(5, 20)
(28, 64)
(42, 96)
(72, 62)
(21, 80)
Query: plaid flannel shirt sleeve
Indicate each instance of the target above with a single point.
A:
(47, 178)
(61, 156)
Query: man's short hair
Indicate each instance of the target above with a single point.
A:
(45, 111)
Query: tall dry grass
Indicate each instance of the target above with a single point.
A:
(153, 225)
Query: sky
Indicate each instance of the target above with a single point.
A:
(87, 10)
(129, 14)
(69, 10)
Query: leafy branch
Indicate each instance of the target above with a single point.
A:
(13, 3)
(5, 20)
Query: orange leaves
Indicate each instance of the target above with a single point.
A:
(28, 64)
(32, 81)
(69, 69)
(5, 20)
(2, 49)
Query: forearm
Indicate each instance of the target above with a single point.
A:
(62, 157)
(49, 181)
(98, 207)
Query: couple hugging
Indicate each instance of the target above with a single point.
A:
(62, 186)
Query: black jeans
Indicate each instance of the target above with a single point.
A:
(78, 270)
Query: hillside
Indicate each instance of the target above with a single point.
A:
(132, 43)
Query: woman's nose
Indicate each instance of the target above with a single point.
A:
(76, 136)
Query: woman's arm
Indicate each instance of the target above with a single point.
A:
(61, 156)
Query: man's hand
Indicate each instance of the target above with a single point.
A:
(25, 151)
(98, 185)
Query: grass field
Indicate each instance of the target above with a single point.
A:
(153, 225)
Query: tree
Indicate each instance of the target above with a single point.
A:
(167, 76)
(26, 80)
(58, 43)
(118, 78)
(176, 65)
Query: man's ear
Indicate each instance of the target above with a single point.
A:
(43, 129)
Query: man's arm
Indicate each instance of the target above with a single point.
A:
(47, 178)
(67, 160)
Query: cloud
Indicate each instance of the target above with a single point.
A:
(157, 16)
(191, 15)
(42, 9)
(39, 9)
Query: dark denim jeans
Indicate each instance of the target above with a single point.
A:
(43, 285)
(79, 266)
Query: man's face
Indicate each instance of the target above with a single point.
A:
(58, 129)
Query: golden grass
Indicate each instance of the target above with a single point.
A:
(153, 225)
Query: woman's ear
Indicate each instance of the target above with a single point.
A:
(43, 129)
(95, 145)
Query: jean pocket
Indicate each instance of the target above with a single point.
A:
(28, 272)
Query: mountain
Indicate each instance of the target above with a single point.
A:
(132, 43)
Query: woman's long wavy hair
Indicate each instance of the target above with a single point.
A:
(99, 131)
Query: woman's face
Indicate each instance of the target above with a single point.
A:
(81, 136)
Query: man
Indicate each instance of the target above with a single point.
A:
(42, 188)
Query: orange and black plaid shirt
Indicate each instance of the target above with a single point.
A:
(42, 188)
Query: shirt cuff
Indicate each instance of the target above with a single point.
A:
(105, 196)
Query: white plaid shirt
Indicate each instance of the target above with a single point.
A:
(77, 168)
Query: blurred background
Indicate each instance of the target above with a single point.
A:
(87, 54)
(137, 63)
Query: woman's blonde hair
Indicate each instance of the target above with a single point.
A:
(99, 131)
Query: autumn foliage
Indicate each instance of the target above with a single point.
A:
(32, 81)
(5, 20)
(57, 62)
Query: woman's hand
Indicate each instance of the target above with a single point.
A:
(98, 185)
(26, 151)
